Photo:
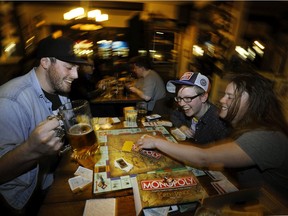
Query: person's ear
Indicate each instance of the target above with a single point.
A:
(45, 63)
(204, 97)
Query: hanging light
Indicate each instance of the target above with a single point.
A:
(101, 18)
(79, 13)
(75, 13)
(89, 21)
(94, 13)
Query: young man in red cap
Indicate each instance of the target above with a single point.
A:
(29, 144)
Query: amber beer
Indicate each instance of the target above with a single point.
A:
(141, 114)
(80, 136)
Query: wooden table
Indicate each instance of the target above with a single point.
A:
(61, 201)
(113, 106)
(117, 98)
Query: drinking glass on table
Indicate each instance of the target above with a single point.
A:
(76, 116)
(141, 108)
(130, 116)
(127, 110)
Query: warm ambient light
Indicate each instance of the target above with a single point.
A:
(257, 43)
(84, 47)
(242, 52)
(94, 13)
(10, 47)
(101, 18)
(79, 20)
(86, 27)
(197, 50)
(258, 50)
(79, 13)
(72, 14)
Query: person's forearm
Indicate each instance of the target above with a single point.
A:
(185, 153)
(141, 94)
(16, 162)
(225, 153)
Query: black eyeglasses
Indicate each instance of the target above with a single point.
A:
(186, 99)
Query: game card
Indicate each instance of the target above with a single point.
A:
(102, 121)
(84, 172)
(106, 126)
(127, 146)
(78, 183)
(224, 186)
(115, 120)
(123, 165)
(216, 175)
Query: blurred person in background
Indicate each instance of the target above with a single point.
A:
(149, 85)
(195, 116)
(256, 151)
(85, 85)
(29, 137)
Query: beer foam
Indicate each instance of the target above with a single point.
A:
(80, 129)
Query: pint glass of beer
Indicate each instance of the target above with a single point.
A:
(142, 110)
(76, 116)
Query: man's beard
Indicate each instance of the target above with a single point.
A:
(57, 83)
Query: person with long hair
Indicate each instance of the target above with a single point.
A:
(256, 151)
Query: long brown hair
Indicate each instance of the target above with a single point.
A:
(264, 108)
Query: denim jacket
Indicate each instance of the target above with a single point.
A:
(23, 106)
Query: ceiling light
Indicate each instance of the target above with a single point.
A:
(101, 18)
(94, 13)
(79, 13)
(72, 14)
(257, 43)
(79, 20)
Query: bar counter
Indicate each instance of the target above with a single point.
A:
(103, 106)
(118, 98)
